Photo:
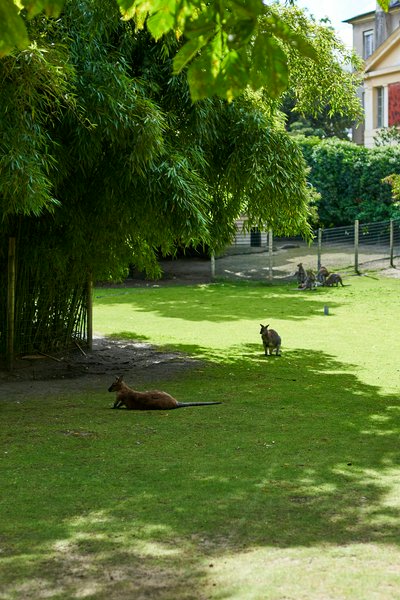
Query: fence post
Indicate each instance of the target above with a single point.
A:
(213, 265)
(391, 241)
(356, 237)
(10, 303)
(319, 251)
(89, 308)
(270, 257)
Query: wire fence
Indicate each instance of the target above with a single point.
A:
(350, 249)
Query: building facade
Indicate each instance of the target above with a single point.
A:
(376, 38)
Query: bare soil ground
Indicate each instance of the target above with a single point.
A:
(95, 370)
(81, 370)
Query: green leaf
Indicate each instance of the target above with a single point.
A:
(208, 75)
(160, 23)
(13, 32)
(268, 66)
(385, 4)
(51, 7)
(276, 26)
(247, 9)
(188, 52)
(233, 77)
(202, 22)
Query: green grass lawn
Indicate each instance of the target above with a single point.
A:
(288, 490)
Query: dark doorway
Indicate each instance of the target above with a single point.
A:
(255, 237)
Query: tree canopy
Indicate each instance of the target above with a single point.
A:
(95, 113)
(227, 45)
(105, 160)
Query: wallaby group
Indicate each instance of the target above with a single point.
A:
(307, 280)
(152, 400)
(271, 340)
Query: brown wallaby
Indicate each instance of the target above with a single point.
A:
(333, 279)
(300, 274)
(322, 274)
(309, 283)
(153, 400)
(271, 340)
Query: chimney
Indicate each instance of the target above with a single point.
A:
(381, 29)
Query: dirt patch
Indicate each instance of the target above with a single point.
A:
(254, 266)
(77, 371)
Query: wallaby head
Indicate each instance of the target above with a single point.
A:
(116, 385)
(271, 334)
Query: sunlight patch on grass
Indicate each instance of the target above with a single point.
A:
(350, 571)
(157, 549)
(220, 322)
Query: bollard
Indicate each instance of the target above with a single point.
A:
(326, 310)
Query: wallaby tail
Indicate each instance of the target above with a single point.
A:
(184, 404)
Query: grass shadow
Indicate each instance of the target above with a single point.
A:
(301, 453)
(222, 302)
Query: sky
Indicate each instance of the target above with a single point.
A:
(337, 11)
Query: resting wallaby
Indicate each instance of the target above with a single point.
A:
(322, 274)
(333, 279)
(270, 339)
(153, 400)
(309, 283)
(300, 274)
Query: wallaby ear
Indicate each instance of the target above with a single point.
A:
(119, 379)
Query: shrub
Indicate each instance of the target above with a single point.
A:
(350, 180)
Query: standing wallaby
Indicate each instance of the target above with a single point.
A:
(271, 340)
(153, 400)
(322, 274)
(300, 274)
(333, 279)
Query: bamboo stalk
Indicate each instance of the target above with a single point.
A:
(11, 304)
(89, 315)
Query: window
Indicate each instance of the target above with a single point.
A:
(368, 43)
(394, 104)
(379, 107)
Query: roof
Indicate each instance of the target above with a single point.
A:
(391, 42)
(371, 13)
